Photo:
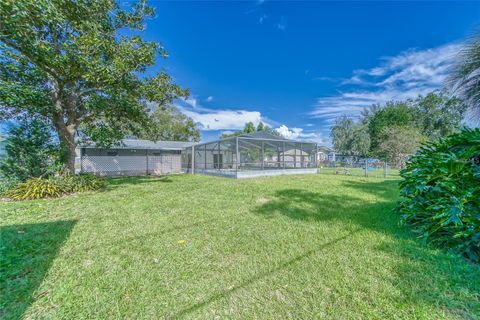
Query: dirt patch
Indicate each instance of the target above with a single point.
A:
(262, 200)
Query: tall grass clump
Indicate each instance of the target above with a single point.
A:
(441, 193)
(53, 187)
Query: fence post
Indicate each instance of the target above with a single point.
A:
(237, 155)
(366, 167)
(385, 169)
(193, 160)
(263, 155)
(82, 154)
(146, 162)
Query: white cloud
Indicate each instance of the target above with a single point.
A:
(288, 133)
(228, 132)
(230, 120)
(262, 18)
(209, 99)
(282, 24)
(191, 102)
(324, 78)
(401, 77)
(224, 119)
(300, 134)
(218, 119)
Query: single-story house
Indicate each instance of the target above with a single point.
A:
(244, 156)
(131, 157)
(325, 154)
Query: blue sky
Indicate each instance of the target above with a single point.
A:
(298, 65)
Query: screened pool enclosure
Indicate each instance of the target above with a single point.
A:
(251, 155)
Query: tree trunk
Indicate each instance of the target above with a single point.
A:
(65, 124)
(66, 135)
(70, 150)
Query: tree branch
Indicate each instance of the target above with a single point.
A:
(32, 58)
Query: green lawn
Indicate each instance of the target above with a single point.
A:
(372, 172)
(313, 246)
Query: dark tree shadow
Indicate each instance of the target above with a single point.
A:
(305, 205)
(260, 276)
(27, 251)
(123, 181)
(448, 274)
(141, 237)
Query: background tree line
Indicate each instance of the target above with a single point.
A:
(396, 129)
(250, 128)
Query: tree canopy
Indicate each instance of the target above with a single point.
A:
(250, 128)
(438, 114)
(350, 138)
(31, 151)
(82, 65)
(392, 114)
(398, 127)
(398, 143)
(170, 124)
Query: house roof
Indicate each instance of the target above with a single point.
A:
(146, 144)
(325, 149)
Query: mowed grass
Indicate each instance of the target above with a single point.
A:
(391, 173)
(307, 247)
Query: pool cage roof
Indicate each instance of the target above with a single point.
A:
(251, 155)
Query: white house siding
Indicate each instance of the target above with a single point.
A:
(114, 165)
(164, 164)
(121, 165)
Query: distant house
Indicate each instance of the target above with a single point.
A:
(131, 157)
(325, 154)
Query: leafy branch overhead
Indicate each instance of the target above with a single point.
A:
(83, 66)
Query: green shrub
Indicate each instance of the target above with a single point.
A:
(7, 184)
(38, 188)
(81, 183)
(441, 193)
(31, 150)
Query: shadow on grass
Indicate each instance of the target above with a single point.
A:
(27, 251)
(124, 181)
(423, 274)
(142, 237)
(260, 276)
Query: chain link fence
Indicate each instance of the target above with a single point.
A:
(363, 167)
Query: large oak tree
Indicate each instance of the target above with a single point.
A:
(83, 65)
